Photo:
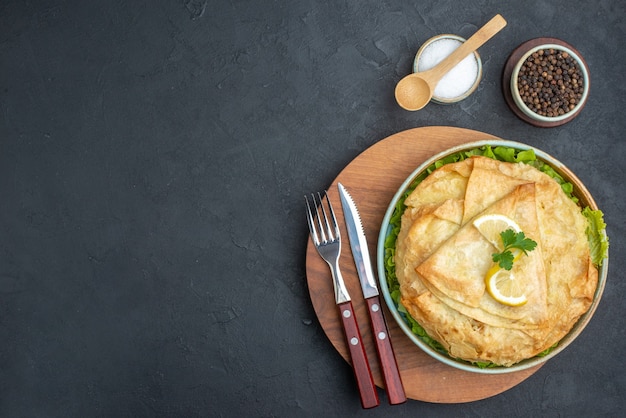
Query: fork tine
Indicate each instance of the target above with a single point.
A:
(332, 231)
(317, 223)
(334, 220)
(322, 230)
(322, 221)
(311, 221)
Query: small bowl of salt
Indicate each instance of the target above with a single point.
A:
(459, 82)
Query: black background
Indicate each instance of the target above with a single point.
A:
(153, 161)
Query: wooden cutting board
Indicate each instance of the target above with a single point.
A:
(372, 179)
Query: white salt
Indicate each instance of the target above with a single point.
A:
(460, 79)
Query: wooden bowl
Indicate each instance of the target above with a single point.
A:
(509, 82)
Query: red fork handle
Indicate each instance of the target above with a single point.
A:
(360, 365)
(388, 363)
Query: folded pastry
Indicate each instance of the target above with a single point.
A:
(442, 260)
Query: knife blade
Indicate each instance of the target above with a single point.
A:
(362, 261)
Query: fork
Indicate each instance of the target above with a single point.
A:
(326, 237)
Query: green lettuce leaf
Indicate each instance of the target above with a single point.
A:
(596, 234)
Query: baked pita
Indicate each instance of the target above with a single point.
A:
(442, 259)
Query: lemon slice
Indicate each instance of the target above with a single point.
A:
(490, 227)
(503, 287)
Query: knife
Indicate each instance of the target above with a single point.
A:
(360, 252)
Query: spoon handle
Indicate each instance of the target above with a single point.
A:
(473, 43)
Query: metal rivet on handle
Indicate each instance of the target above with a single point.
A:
(354, 341)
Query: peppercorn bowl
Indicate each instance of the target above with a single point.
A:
(550, 83)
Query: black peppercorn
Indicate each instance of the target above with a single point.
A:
(550, 82)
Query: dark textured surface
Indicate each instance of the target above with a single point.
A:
(153, 158)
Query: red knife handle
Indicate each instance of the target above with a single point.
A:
(362, 372)
(388, 363)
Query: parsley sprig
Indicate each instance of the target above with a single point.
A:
(511, 240)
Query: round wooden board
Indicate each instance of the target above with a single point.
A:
(372, 179)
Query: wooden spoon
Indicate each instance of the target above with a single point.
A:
(415, 90)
